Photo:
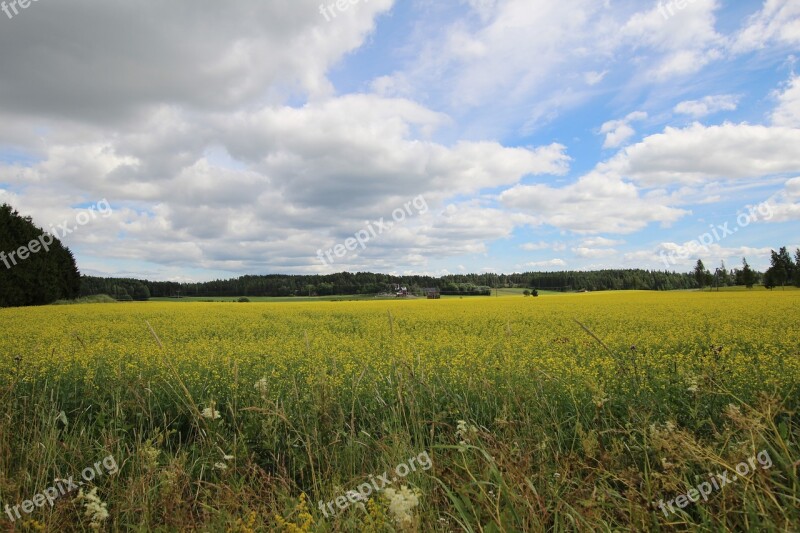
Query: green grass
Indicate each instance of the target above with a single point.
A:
(333, 298)
(756, 288)
(95, 299)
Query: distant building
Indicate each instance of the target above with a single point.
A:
(432, 293)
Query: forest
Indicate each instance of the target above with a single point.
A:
(346, 283)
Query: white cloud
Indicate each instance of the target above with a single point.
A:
(593, 253)
(788, 111)
(556, 246)
(686, 41)
(777, 22)
(785, 204)
(698, 154)
(535, 246)
(263, 190)
(708, 105)
(600, 242)
(594, 77)
(226, 55)
(619, 131)
(596, 203)
(551, 263)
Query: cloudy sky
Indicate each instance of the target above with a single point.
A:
(252, 136)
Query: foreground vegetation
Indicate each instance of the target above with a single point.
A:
(577, 412)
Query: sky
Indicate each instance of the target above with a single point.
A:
(193, 140)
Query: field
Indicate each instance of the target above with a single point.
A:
(571, 412)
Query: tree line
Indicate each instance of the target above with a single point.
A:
(783, 271)
(36, 268)
(362, 283)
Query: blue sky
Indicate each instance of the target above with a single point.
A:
(538, 135)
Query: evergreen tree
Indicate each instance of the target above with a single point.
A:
(781, 269)
(723, 277)
(141, 292)
(35, 268)
(701, 275)
(797, 267)
(748, 276)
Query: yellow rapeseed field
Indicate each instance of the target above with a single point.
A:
(538, 413)
(752, 338)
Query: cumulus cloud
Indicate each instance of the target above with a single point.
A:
(550, 263)
(698, 154)
(593, 253)
(601, 241)
(785, 204)
(707, 105)
(788, 111)
(535, 246)
(227, 55)
(619, 131)
(281, 182)
(596, 203)
(556, 246)
(686, 41)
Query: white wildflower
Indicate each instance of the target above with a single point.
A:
(402, 503)
(220, 466)
(96, 510)
(262, 386)
(211, 413)
(464, 431)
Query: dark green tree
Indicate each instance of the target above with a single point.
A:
(35, 268)
(797, 267)
(748, 276)
(141, 292)
(723, 276)
(701, 275)
(781, 268)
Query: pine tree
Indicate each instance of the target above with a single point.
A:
(35, 268)
(748, 276)
(701, 275)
